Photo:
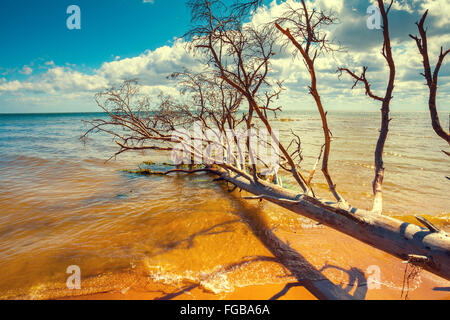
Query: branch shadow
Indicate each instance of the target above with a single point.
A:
(306, 274)
(443, 289)
(356, 278)
(189, 241)
(286, 289)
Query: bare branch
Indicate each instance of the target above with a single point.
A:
(431, 77)
(304, 30)
(362, 78)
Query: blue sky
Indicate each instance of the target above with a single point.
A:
(45, 67)
(36, 30)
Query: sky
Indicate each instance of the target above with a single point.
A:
(36, 30)
(47, 67)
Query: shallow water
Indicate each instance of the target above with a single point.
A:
(62, 205)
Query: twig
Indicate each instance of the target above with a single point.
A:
(428, 224)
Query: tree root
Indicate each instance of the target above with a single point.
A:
(416, 264)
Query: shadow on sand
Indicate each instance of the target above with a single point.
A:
(306, 274)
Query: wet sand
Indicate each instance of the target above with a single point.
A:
(348, 277)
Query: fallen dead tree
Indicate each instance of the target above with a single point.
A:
(234, 93)
(428, 247)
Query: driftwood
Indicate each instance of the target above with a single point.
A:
(401, 239)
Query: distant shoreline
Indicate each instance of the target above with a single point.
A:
(285, 112)
(49, 113)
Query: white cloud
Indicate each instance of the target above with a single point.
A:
(439, 9)
(150, 68)
(26, 70)
(409, 82)
(57, 79)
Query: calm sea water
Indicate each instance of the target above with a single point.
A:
(61, 204)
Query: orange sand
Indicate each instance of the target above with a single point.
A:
(354, 259)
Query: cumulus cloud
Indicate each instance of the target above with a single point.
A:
(438, 9)
(57, 79)
(363, 47)
(151, 69)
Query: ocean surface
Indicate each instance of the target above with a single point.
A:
(61, 204)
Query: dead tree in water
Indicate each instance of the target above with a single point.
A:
(385, 107)
(431, 77)
(235, 91)
(223, 38)
(304, 29)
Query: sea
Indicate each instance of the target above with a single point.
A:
(63, 204)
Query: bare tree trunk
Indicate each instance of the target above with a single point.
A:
(427, 247)
(377, 183)
(379, 164)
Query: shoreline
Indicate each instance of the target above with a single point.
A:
(349, 271)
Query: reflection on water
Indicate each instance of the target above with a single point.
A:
(61, 205)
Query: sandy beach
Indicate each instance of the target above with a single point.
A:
(350, 276)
